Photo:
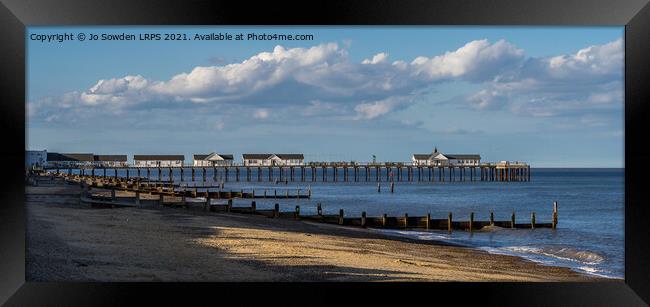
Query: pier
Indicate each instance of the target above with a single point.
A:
(397, 172)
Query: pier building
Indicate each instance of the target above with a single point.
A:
(70, 159)
(437, 158)
(213, 159)
(110, 161)
(273, 159)
(158, 160)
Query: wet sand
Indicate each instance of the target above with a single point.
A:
(68, 241)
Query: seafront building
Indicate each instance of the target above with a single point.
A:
(273, 159)
(437, 158)
(55, 159)
(35, 158)
(158, 160)
(213, 159)
(110, 161)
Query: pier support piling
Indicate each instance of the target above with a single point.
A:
(471, 221)
(532, 220)
(555, 215)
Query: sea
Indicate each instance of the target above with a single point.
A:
(589, 237)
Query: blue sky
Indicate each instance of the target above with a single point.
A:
(551, 96)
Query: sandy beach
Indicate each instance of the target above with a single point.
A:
(68, 241)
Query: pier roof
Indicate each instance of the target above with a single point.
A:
(268, 156)
(448, 156)
(206, 156)
(290, 156)
(158, 157)
(53, 156)
(256, 156)
(463, 156)
(120, 158)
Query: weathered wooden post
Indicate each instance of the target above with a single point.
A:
(471, 221)
(363, 219)
(287, 193)
(532, 220)
(406, 220)
(428, 221)
(275, 193)
(161, 199)
(378, 187)
(384, 220)
(253, 206)
(276, 210)
(392, 187)
(319, 209)
(341, 217)
(207, 201)
(449, 222)
(137, 197)
(229, 205)
(184, 199)
(264, 193)
(297, 215)
(491, 218)
(113, 197)
(512, 220)
(309, 191)
(555, 215)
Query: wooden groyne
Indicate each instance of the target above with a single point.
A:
(515, 172)
(210, 203)
(168, 189)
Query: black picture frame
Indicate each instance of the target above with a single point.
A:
(15, 15)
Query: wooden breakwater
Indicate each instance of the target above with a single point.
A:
(488, 172)
(162, 188)
(207, 201)
(384, 221)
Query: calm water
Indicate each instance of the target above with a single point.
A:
(589, 238)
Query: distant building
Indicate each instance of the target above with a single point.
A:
(158, 160)
(273, 159)
(109, 160)
(437, 158)
(70, 159)
(35, 158)
(212, 159)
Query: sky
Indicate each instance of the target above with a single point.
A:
(549, 96)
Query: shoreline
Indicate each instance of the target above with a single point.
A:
(68, 241)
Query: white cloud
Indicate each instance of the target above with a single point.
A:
(477, 60)
(378, 58)
(261, 113)
(377, 108)
(300, 78)
(564, 85)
